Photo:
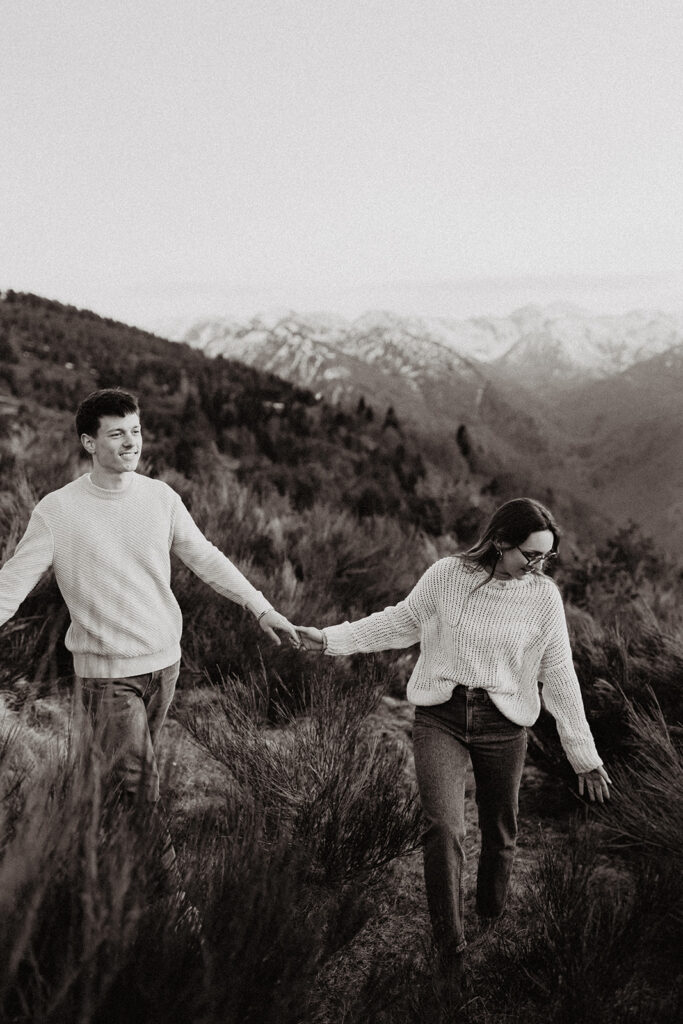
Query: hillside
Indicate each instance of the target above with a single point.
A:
(200, 414)
(559, 401)
(405, 363)
(412, 366)
(628, 433)
(380, 420)
(288, 779)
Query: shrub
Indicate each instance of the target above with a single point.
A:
(335, 788)
(646, 811)
(592, 947)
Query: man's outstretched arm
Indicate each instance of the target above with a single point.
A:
(20, 573)
(215, 569)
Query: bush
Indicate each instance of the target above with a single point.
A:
(337, 790)
(594, 947)
(646, 812)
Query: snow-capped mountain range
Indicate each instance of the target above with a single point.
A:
(598, 400)
(553, 344)
(438, 372)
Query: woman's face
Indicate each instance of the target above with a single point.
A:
(515, 562)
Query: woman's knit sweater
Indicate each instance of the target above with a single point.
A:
(504, 637)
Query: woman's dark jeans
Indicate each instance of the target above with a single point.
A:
(446, 736)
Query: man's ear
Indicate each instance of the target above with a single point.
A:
(88, 443)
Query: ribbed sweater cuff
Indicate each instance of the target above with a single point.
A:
(583, 757)
(340, 639)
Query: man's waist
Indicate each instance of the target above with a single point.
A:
(108, 666)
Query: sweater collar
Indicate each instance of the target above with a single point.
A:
(104, 492)
(510, 584)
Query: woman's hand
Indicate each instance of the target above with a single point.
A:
(311, 638)
(596, 782)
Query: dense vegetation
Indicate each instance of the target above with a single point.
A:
(332, 513)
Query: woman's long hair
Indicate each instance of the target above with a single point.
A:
(510, 525)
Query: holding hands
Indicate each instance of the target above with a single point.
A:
(594, 783)
(272, 623)
(307, 638)
(311, 639)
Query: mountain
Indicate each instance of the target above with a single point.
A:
(338, 358)
(204, 416)
(584, 405)
(462, 433)
(560, 347)
(557, 344)
(409, 364)
(501, 377)
(627, 446)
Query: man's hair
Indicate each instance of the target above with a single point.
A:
(107, 402)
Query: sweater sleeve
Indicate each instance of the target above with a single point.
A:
(20, 573)
(211, 565)
(562, 694)
(397, 626)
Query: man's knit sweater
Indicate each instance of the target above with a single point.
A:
(110, 551)
(503, 636)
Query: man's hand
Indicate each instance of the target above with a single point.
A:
(597, 784)
(272, 621)
(311, 638)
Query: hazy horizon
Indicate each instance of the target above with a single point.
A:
(454, 300)
(450, 159)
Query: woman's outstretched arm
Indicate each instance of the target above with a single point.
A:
(397, 626)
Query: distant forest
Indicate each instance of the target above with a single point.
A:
(268, 432)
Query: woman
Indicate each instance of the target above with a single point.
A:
(490, 625)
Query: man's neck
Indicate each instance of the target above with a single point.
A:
(110, 481)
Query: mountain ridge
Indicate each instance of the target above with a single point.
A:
(567, 392)
(583, 343)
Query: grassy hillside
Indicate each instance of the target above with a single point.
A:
(336, 509)
(605, 449)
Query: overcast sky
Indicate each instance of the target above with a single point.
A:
(439, 156)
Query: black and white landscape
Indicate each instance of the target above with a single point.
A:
(594, 403)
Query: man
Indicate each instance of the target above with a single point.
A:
(108, 536)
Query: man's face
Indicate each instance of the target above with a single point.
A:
(117, 445)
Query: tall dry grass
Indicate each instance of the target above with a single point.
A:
(327, 780)
(281, 869)
(600, 935)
